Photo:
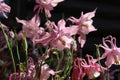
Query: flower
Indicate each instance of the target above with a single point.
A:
(30, 28)
(77, 72)
(58, 37)
(112, 52)
(92, 69)
(81, 68)
(4, 8)
(84, 25)
(47, 5)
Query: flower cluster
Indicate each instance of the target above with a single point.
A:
(47, 52)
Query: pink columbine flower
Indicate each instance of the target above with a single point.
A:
(4, 8)
(30, 28)
(112, 52)
(84, 25)
(47, 5)
(62, 39)
(58, 37)
(92, 69)
(77, 72)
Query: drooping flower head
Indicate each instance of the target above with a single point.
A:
(4, 8)
(84, 25)
(77, 72)
(112, 52)
(47, 5)
(92, 68)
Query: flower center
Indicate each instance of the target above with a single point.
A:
(62, 41)
(116, 59)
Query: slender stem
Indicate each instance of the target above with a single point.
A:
(98, 53)
(58, 59)
(41, 50)
(46, 16)
(18, 55)
(26, 51)
(62, 56)
(10, 48)
(46, 49)
(108, 75)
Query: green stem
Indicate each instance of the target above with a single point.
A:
(58, 59)
(46, 50)
(10, 49)
(108, 75)
(26, 51)
(46, 16)
(98, 53)
(62, 56)
(41, 50)
(18, 55)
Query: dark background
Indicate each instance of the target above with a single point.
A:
(107, 19)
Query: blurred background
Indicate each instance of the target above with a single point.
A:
(107, 19)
